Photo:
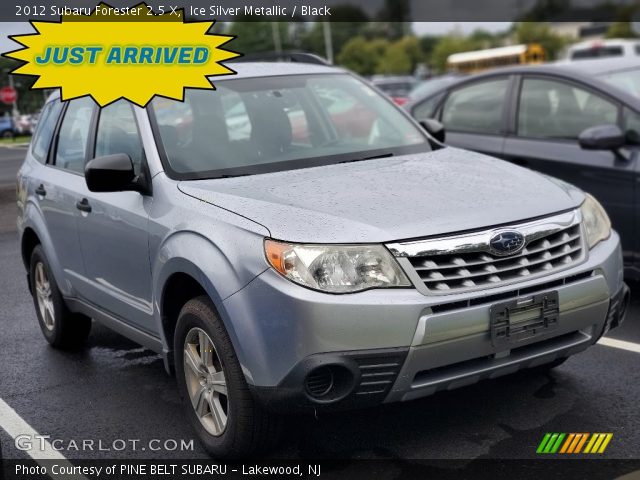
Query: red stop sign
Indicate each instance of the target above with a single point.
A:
(8, 95)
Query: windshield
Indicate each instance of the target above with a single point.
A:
(597, 52)
(266, 124)
(627, 80)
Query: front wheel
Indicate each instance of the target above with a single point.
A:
(214, 391)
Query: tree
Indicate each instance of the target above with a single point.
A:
(361, 55)
(347, 22)
(621, 28)
(393, 19)
(253, 37)
(540, 32)
(29, 101)
(396, 60)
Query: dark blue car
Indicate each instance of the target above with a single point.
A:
(7, 127)
(578, 121)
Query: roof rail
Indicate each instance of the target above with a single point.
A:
(289, 56)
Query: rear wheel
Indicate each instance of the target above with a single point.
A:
(6, 134)
(62, 328)
(214, 391)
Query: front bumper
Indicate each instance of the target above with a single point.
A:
(396, 345)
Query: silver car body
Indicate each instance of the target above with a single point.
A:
(117, 262)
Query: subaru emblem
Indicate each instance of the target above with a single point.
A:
(506, 242)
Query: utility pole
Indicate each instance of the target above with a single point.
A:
(328, 41)
(277, 42)
(14, 106)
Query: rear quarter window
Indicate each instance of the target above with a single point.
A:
(44, 131)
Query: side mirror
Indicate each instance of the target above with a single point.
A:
(434, 128)
(602, 137)
(111, 173)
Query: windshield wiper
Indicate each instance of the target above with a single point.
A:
(231, 176)
(373, 157)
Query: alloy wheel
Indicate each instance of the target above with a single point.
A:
(206, 382)
(44, 297)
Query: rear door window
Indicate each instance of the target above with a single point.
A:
(476, 108)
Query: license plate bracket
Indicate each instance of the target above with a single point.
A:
(523, 318)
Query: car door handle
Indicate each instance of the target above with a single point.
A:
(41, 191)
(83, 205)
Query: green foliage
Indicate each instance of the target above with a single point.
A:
(29, 101)
(368, 57)
(540, 32)
(395, 60)
(392, 20)
(254, 37)
(620, 30)
(347, 21)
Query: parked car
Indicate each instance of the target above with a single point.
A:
(7, 127)
(576, 121)
(613, 47)
(361, 266)
(425, 88)
(397, 87)
(23, 124)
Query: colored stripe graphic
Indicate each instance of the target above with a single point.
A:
(573, 443)
(543, 443)
(581, 443)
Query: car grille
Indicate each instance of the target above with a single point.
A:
(466, 263)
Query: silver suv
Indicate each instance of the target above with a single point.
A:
(293, 241)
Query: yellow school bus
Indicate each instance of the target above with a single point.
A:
(479, 60)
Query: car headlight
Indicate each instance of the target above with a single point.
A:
(336, 268)
(596, 221)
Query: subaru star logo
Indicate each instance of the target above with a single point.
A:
(506, 243)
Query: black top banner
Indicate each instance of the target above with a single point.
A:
(339, 10)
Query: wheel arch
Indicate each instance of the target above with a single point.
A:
(34, 232)
(182, 281)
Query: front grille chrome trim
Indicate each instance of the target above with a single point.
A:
(464, 262)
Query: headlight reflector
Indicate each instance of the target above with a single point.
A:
(336, 268)
(596, 221)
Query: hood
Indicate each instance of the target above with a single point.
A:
(411, 196)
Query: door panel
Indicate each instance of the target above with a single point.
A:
(55, 190)
(56, 186)
(113, 229)
(114, 244)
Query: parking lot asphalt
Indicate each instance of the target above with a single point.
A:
(115, 389)
(11, 156)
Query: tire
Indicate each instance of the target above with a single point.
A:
(231, 425)
(7, 134)
(61, 328)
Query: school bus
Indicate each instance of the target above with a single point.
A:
(476, 61)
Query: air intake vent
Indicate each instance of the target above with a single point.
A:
(319, 382)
